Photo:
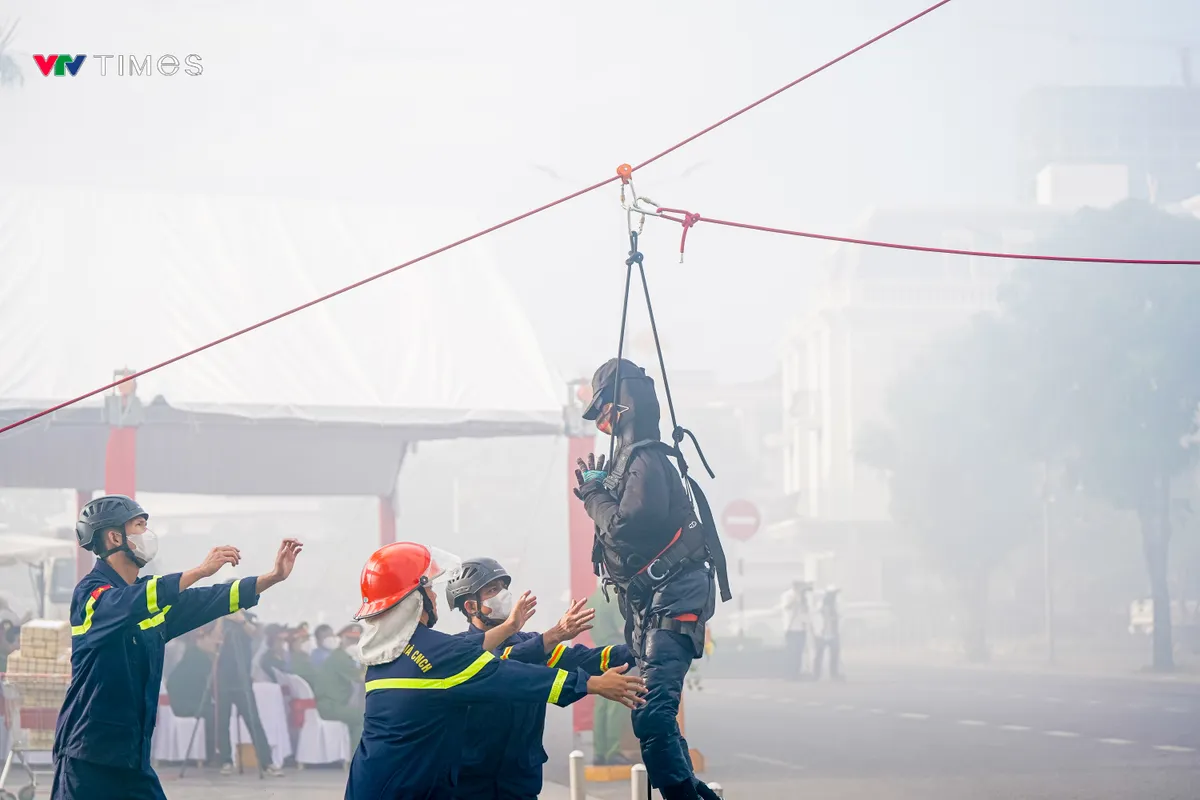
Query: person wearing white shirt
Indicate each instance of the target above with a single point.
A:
(795, 627)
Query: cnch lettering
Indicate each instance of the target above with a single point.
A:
(420, 660)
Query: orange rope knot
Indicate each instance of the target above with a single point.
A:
(625, 173)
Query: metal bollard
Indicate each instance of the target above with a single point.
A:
(716, 789)
(578, 784)
(639, 783)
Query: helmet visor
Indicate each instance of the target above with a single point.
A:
(442, 566)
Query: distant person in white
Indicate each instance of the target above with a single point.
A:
(826, 635)
(796, 623)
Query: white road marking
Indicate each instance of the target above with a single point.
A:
(1174, 748)
(814, 703)
(910, 715)
(844, 708)
(1115, 741)
(1063, 734)
(1053, 699)
(785, 699)
(973, 723)
(770, 761)
(1014, 727)
(1176, 710)
(878, 711)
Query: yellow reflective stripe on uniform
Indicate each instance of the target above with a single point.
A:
(556, 690)
(507, 651)
(152, 595)
(235, 596)
(432, 683)
(155, 621)
(605, 655)
(556, 655)
(88, 610)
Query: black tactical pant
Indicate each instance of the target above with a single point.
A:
(667, 656)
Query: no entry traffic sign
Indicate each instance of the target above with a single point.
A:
(741, 519)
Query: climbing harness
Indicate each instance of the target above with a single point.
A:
(697, 542)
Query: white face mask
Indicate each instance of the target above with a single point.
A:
(306, 646)
(499, 606)
(329, 643)
(144, 546)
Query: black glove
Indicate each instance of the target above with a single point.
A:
(590, 475)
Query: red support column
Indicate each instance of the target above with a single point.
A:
(120, 462)
(582, 534)
(84, 560)
(387, 519)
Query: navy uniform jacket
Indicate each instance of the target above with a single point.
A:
(118, 634)
(504, 739)
(416, 714)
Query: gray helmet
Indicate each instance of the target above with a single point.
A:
(105, 513)
(472, 576)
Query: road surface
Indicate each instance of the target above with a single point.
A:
(933, 734)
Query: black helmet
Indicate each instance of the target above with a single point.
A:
(105, 513)
(472, 576)
(603, 383)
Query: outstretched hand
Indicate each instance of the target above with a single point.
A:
(577, 620)
(523, 609)
(619, 687)
(285, 560)
(589, 471)
(217, 558)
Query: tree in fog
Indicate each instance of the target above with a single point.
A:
(10, 73)
(959, 479)
(1111, 357)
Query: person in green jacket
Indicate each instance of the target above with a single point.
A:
(340, 686)
(609, 719)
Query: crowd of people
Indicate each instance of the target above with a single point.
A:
(212, 670)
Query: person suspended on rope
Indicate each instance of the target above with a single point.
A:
(504, 754)
(659, 554)
(120, 626)
(420, 682)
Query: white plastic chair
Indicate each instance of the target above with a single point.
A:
(321, 741)
(172, 734)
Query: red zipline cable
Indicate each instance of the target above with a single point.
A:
(689, 220)
(473, 236)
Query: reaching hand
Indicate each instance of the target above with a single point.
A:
(619, 687)
(577, 620)
(523, 609)
(217, 558)
(589, 471)
(285, 559)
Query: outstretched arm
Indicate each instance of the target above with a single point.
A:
(197, 607)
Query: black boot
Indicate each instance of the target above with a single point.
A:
(680, 791)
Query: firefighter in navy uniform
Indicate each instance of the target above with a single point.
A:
(658, 554)
(420, 682)
(503, 756)
(120, 625)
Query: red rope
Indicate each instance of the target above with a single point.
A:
(688, 220)
(473, 236)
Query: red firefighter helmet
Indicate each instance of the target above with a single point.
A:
(396, 570)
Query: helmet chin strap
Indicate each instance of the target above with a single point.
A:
(486, 622)
(122, 547)
(430, 611)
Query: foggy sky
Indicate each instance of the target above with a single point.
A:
(455, 104)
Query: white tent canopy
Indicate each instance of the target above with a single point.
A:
(93, 281)
(19, 548)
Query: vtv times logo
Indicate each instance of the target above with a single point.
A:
(64, 64)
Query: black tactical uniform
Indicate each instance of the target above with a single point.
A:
(661, 559)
